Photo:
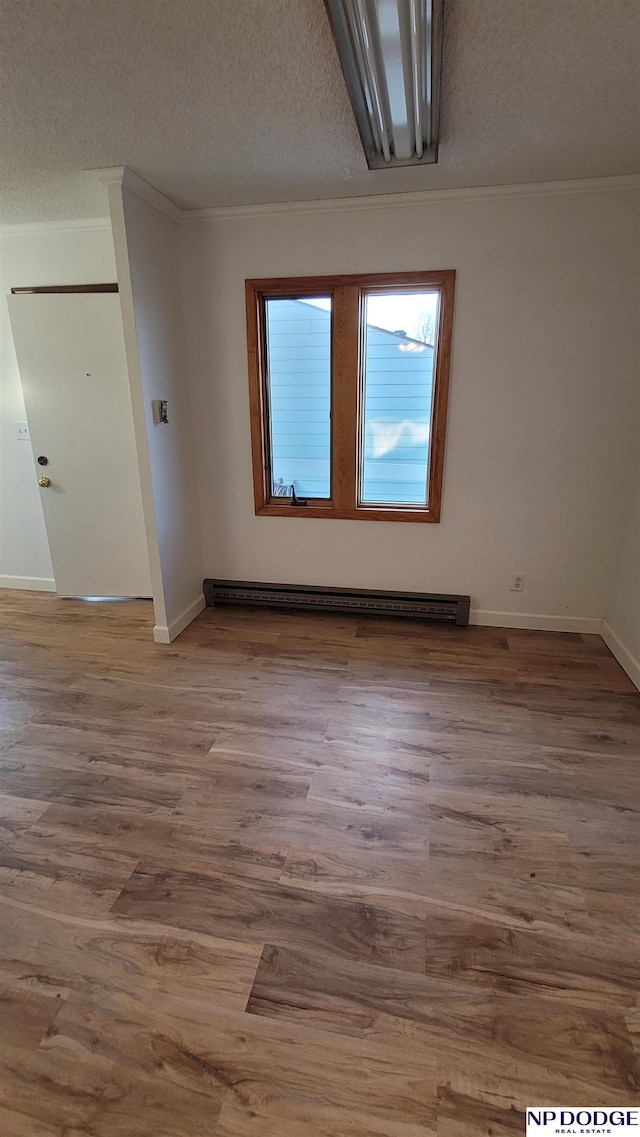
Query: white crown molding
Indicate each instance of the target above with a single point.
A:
(122, 175)
(421, 197)
(128, 179)
(23, 229)
(107, 175)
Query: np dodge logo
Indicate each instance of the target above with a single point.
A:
(578, 1121)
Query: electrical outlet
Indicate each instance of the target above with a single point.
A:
(22, 431)
(517, 582)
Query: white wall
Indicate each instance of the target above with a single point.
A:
(147, 257)
(35, 255)
(621, 628)
(540, 433)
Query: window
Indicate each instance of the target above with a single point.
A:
(348, 381)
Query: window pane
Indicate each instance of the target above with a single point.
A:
(299, 378)
(400, 349)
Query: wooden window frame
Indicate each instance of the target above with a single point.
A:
(347, 336)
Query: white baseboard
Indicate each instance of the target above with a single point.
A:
(164, 634)
(29, 583)
(626, 660)
(535, 621)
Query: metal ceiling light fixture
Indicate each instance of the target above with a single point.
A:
(391, 54)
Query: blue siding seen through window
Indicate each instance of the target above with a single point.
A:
(398, 386)
(398, 389)
(299, 375)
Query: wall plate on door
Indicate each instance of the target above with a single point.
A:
(22, 431)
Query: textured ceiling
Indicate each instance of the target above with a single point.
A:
(219, 102)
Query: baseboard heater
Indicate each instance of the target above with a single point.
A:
(359, 601)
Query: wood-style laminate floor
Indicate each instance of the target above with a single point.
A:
(311, 876)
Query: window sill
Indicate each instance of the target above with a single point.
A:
(363, 513)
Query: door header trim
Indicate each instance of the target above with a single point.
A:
(46, 288)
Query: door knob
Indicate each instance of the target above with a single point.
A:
(44, 482)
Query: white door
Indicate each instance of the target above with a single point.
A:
(71, 355)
